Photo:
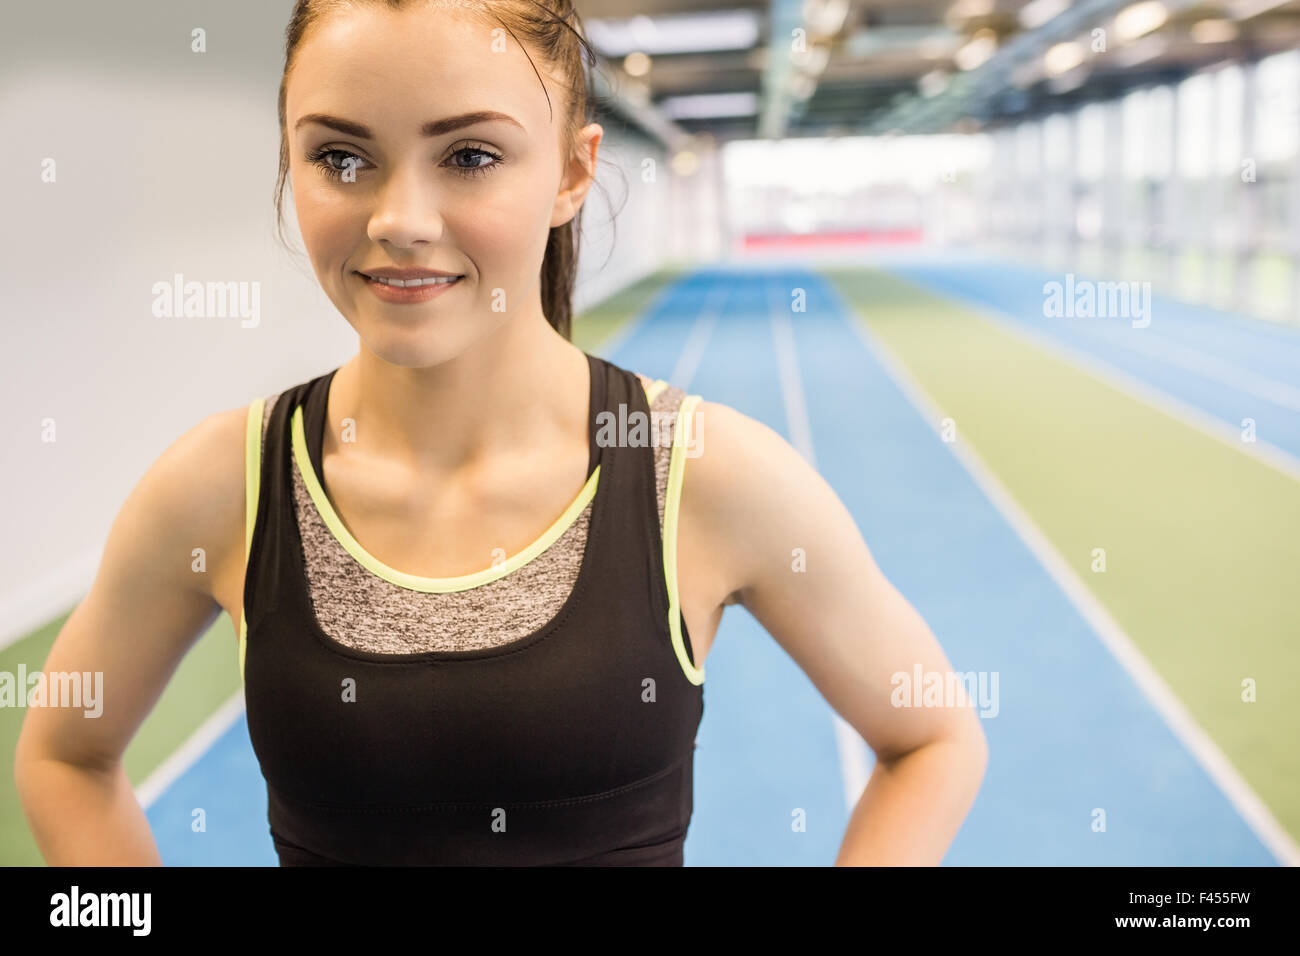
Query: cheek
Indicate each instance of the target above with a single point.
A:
(504, 227)
(325, 218)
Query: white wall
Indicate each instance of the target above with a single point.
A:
(165, 163)
(625, 219)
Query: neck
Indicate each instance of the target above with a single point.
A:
(519, 389)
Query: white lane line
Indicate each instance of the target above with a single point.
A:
(853, 751)
(697, 342)
(1207, 366)
(1189, 415)
(614, 341)
(188, 753)
(1253, 810)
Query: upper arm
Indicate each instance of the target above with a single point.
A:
(798, 563)
(152, 595)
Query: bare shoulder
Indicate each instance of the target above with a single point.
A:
(737, 458)
(194, 493)
(217, 458)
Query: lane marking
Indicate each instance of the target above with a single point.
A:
(1216, 764)
(612, 342)
(688, 362)
(1207, 366)
(853, 750)
(187, 754)
(1184, 412)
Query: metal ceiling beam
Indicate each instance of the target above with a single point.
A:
(971, 92)
(632, 102)
(776, 104)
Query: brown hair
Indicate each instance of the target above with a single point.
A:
(553, 29)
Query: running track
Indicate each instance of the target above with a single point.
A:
(1073, 730)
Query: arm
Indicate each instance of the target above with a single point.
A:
(755, 500)
(144, 611)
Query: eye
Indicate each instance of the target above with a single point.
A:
(475, 154)
(321, 159)
(333, 162)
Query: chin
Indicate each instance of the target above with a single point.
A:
(417, 345)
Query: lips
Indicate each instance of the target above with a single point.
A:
(413, 282)
(408, 278)
(408, 286)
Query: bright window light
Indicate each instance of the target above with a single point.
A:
(1062, 58)
(977, 52)
(1245, 9)
(1140, 19)
(1214, 31)
(681, 33)
(1037, 12)
(710, 105)
(933, 83)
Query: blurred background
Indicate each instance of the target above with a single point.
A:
(1021, 279)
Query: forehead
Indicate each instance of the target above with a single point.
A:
(430, 58)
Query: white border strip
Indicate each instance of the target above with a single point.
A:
(187, 754)
(1201, 363)
(29, 607)
(698, 340)
(1215, 763)
(1107, 374)
(853, 750)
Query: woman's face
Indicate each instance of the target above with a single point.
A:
(382, 182)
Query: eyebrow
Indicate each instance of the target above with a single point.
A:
(432, 128)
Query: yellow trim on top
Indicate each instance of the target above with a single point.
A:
(252, 484)
(672, 499)
(411, 581)
(652, 387)
(243, 644)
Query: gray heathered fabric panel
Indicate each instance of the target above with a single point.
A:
(361, 610)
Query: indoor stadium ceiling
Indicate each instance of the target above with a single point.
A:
(872, 66)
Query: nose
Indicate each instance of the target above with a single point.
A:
(406, 209)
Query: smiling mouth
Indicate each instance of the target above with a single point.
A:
(411, 283)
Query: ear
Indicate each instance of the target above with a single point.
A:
(578, 175)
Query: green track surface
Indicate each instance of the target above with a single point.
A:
(1202, 541)
(207, 677)
(209, 674)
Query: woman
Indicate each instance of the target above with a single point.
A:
(438, 669)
